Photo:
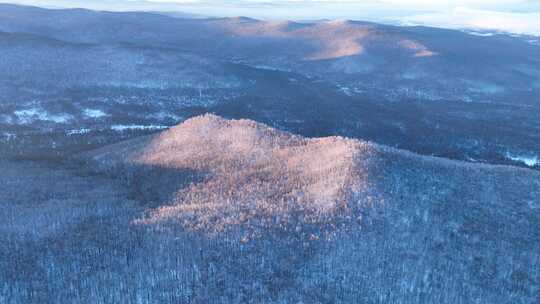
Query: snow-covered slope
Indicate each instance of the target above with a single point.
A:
(232, 211)
(380, 223)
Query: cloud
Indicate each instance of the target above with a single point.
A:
(515, 16)
(452, 2)
(458, 18)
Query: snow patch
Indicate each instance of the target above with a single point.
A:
(269, 68)
(121, 128)
(78, 131)
(528, 160)
(261, 66)
(349, 91)
(483, 87)
(33, 114)
(94, 113)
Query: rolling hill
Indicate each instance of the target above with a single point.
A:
(365, 204)
(221, 211)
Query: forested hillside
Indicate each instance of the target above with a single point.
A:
(221, 211)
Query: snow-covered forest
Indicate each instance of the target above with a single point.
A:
(151, 220)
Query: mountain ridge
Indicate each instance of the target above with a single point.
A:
(215, 172)
(250, 122)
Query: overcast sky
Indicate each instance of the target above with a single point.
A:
(517, 16)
